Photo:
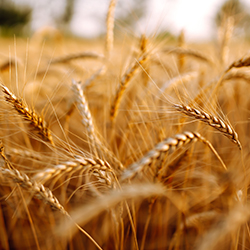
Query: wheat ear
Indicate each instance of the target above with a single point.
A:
(36, 121)
(243, 62)
(71, 167)
(167, 145)
(124, 83)
(211, 120)
(179, 79)
(39, 191)
(110, 28)
(237, 75)
(24, 154)
(189, 52)
(84, 110)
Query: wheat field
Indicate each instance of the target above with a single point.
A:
(130, 142)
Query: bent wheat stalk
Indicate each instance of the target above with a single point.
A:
(213, 121)
(36, 121)
(167, 145)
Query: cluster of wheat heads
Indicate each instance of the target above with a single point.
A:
(146, 148)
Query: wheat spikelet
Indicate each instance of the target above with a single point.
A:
(82, 55)
(37, 189)
(36, 121)
(167, 145)
(123, 85)
(211, 120)
(110, 28)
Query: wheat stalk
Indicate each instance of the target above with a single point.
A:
(167, 145)
(211, 120)
(36, 121)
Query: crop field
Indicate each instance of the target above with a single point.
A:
(130, 142)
